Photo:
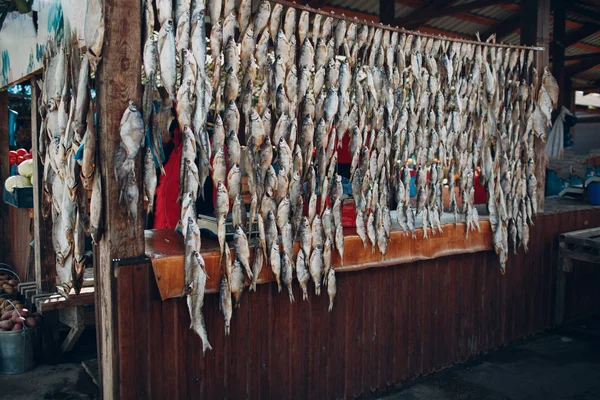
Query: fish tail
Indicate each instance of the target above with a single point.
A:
(330, 305)
(206, 346)
(318, 290)
(304, 294)
(291, 294)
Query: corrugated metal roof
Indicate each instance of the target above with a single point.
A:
(403, 11)
(513, 38)
(573, 51)
(456, 25)
(593, 40)
(497, 13)
(366, 6)
(590, 75)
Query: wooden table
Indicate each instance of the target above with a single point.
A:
(583, 245)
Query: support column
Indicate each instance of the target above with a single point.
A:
(45, 266)
(4, 172)
(558, 50)
(387, 11)
(118, 80)
(535, 30)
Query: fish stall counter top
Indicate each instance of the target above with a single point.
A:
(165, 249)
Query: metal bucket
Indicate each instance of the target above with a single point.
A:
(17, 349)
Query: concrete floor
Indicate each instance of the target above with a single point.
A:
(64, 380)
(559, 365)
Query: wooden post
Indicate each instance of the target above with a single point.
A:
(564, 265)
(45, 266)
(535, 30)
(4, 172)
(118, 80)
(387, 11)
(558, 50)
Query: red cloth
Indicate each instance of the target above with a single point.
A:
(168, 209)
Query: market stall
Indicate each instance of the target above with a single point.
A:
(280, 201)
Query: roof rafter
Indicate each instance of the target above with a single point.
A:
(465, 16)
(415, 19)
(578, 35)
(588, 15)
(581, 57)
(583, 65)
(504, 28)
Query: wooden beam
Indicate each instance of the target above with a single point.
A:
(535, 30)
(465, 16)
(558, 47)
(387, 11)
(45, 266)
(588, 119)
(351, 13)
(504, 28)
(4, 172)
(117, 81)
(587, 86)
(413, 20)
(578, 35)
(581, 57)
(583, 65)
(583, 13)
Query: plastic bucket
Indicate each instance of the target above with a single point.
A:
(17, 349)
(594, 194)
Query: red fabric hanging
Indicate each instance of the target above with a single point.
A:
(168, 209)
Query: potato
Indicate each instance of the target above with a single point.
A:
(8, 290)
(6, 285)
(2, 301)
(30, 322)
(19, 306)
(9, 308)
(24, 312)
(13, 282)
(3, 277)
(3, 282)
(8, 324)
(17, 327)
(6, 315)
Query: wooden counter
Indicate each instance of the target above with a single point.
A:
(165, 249)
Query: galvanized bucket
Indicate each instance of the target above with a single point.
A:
(17, 349)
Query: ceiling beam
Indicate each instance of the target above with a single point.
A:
(578, 35)
(587, 86)
(415, 19)
(421, 6)
(504, 28)
(387, 11)
(588, 15)
(581, 57)
(584, 65)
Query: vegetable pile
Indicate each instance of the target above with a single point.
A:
(8, 285)
(14, 320)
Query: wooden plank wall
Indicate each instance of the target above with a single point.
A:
(19, 237)
(389, 325)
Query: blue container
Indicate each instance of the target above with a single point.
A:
(594, 194)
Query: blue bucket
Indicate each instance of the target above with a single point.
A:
(594, 193)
